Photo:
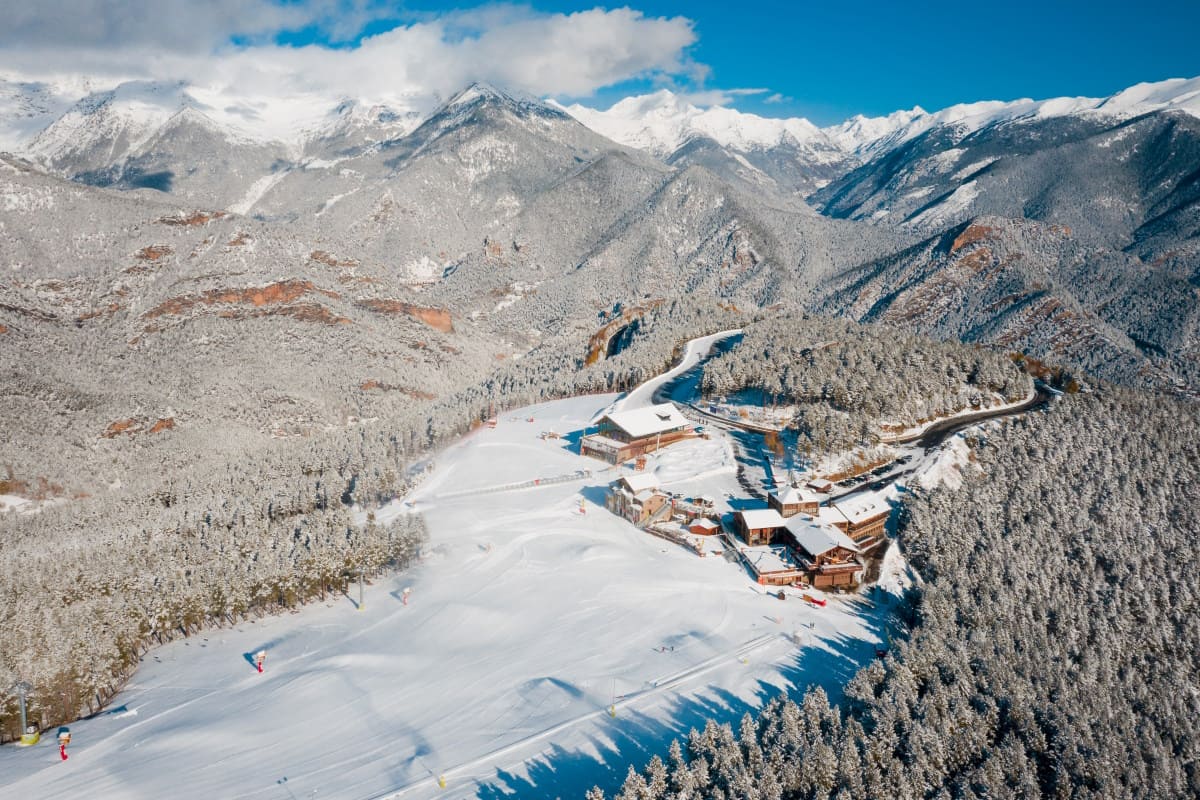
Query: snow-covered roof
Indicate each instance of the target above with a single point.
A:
(792, 495)
(599, 442)
(707, 524)
(640, 482)
(859, 507)
(770, 558)
(648, 421)
(762, 518)
(820, 484)
(816, 538)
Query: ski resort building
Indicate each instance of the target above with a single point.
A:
(773, 565)
(637, 498)
(623, 435)
(820, 485)
(826, 554)
(862, 517)
(759, 526)
(800, 548)
(792, 500)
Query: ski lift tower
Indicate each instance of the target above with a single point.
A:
(29, 734)
(361, 571)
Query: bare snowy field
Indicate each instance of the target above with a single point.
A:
(526, 617)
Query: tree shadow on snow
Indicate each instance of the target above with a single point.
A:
(632, 738)
(595, 494)
(570, 441)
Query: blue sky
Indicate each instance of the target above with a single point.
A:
(829, 60)
(826, 61)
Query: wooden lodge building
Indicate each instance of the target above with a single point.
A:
(803, 548)
(759, 526)
(792, 500)
(862, 517)
(637, 498)
(623, 435)
(826, 554)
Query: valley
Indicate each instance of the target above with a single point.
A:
(558, 697)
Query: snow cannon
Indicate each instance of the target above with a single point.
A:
(819, 602)
(31, 736)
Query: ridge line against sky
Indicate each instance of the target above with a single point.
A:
(825, 62)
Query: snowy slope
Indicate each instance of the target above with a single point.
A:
(105, 126)
(29, 107)
(525, 619)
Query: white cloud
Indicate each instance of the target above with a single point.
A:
(413, 65)
(717, 97)
(121, 25)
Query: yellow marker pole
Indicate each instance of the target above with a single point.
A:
(442, 781)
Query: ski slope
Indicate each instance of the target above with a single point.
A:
(542, 651)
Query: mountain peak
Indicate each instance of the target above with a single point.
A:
(476, 91)
(662, 122)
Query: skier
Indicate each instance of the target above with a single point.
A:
(259, 657)
(64, 739)
(404, 595)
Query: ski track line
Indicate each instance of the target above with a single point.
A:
(663, 684)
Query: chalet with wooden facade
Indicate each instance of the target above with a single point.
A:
(759, 526)
(827, 555)
(637, 498)
(623, 435)
(792, 500)
(862, 517)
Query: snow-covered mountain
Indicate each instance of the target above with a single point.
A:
(353, 124)
(868, 136)
(665, 194)
(791, 156)
(101, 132)
(104, 127)
(662, 123)
(29, 107)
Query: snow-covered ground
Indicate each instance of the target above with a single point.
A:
(526, 617)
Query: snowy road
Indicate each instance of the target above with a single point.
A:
(695, 350)
(526, 618)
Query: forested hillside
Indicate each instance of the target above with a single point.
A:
(849, 380)
(1055, 641)
(95, 581)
